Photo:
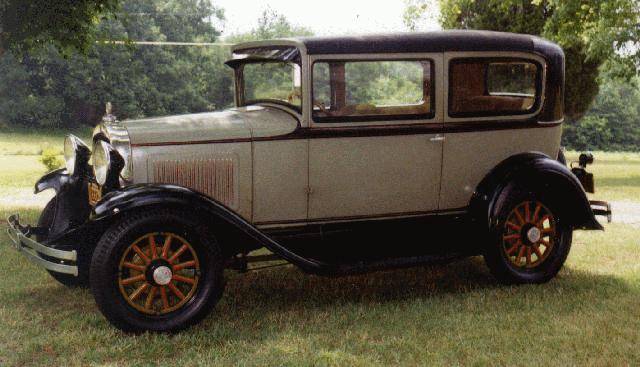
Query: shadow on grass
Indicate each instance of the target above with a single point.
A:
(619, 181)
(252, 299)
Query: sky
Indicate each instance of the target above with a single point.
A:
(323, 17)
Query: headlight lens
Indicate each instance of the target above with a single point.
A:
(76, 153)
(101, 161)
(70, 154)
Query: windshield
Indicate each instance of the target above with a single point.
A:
(269, 75)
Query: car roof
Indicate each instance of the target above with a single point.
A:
(441, 41)
(416, 42)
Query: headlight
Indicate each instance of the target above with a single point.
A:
(76, 154)
(118, 137)
(107, 163)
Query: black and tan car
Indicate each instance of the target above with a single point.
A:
(343, 155)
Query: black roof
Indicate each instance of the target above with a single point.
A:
(441, 41)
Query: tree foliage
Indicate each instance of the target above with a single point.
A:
(612, 123)
(43, 88)
(66, 24)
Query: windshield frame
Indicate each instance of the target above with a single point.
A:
(251, 55)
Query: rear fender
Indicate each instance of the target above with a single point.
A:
(535, 172)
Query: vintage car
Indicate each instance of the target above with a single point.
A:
(343, 155)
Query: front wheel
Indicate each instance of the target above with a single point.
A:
(531, 242)
(156, 271)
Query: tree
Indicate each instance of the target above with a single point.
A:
(271, 25)
(67, 24)
(592, 33)
(43, 88)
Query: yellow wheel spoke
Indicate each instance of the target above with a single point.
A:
(182, 279)
(166, 246)
(138, 291)
(152, 245)
(150, 297)
(536, 249)
(513, 248)
(520, 254)
(511, 237)
(177, 254)
(184, 265)
(536, 212)
(517, 212)
(142, 255)
(165, 299)
(132, 280)
(514, 226)
(175, 290)
(526, 211)
(134, 266)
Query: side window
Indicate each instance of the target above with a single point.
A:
(492, 87)
(368, 90)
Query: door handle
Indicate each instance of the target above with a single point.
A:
(437, 138)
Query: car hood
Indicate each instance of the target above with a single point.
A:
(243, 123)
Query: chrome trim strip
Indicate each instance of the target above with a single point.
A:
(31, 249)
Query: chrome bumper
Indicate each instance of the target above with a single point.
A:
(601, 208)
(38, 253)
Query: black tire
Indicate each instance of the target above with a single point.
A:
(112, 249)
(84, 255)
(502, 265)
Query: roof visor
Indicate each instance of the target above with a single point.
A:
(264, 54)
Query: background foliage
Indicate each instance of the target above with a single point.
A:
(62, 79)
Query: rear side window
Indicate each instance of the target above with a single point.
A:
(367, 90)
(491, 87)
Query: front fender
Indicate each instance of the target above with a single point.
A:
(135, 197)
(53, 180)
(534, 171)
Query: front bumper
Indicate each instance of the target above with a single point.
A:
(52, 259)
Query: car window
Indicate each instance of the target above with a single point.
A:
(492, 87)
(362, 90)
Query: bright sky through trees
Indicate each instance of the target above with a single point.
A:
(323, 17)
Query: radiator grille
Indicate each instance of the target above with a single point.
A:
(213, 177)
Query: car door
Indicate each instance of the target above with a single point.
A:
(374, 143)
(492, 102)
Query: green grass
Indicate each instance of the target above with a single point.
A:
(31, 142)
(445, 315)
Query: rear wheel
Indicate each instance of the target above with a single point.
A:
(156, 271)
(531, 242)
(84, 257)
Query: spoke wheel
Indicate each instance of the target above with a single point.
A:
(158, 273)
(529, 234)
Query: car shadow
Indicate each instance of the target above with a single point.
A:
(267, 294)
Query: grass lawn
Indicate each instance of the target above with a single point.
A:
(445, 315)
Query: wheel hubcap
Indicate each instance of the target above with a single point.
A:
(162, 275)
(529, 234)
(158, 273)
(533, 234)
